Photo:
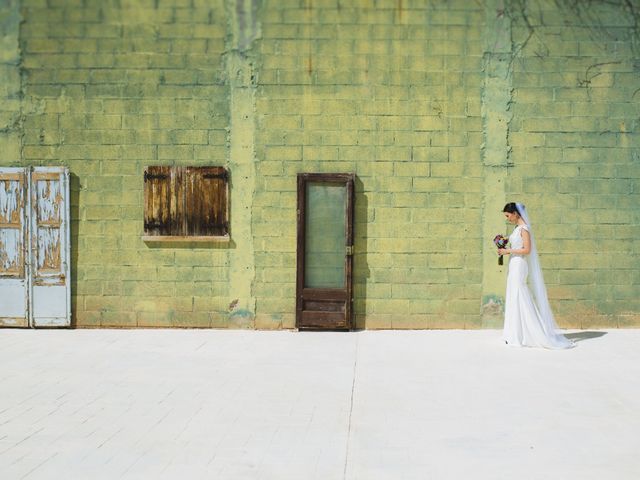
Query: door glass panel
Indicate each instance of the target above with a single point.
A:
(325, 235)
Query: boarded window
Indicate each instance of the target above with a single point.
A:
(185, 202)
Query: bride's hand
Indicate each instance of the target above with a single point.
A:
(502, 251)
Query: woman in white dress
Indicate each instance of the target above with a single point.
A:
(528, 320)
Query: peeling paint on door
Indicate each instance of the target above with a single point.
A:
(34, 247)
(11, 225)
(10, 201)
(48, 201)
(13, 282)
(48, 249)
(10, 252)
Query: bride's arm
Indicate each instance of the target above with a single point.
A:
(526, 244)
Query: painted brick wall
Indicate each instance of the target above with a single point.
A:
(576, 155)
(392, 94)
(10, 83)
(111, 87)
(444, 110)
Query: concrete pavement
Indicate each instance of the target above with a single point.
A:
(215, 404)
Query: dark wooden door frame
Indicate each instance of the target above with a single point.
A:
(317, 318)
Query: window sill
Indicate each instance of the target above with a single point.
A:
(185, 239)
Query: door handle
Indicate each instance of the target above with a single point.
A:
(349, 249)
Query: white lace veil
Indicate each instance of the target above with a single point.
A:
(540, 291)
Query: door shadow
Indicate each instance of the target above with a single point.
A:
(361, 270)
(74, 192)
(587, 335)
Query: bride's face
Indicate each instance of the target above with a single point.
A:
(511, 217)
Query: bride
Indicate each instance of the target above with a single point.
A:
(528, 320)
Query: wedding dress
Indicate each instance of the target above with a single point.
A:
(528, 320)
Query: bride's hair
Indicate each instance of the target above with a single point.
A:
(511, 208)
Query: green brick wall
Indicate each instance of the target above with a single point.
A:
(575, 135)
(392, 95)
(10, 83)
(109, 88)
(443, 109)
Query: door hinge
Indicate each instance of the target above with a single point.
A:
(349, 249)
(224, 175)
(154, 176)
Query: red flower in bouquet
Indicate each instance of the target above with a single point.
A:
(500, 242)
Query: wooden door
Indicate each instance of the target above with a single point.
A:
(50, 247)
(14, 282)
(34, 247)
(324, 299)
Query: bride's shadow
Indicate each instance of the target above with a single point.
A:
(587, 335)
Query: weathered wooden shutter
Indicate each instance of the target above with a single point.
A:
(51, 298)
(185, 202)
(159, 194)
(206, 201)
(13, 253)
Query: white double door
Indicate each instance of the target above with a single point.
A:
(34, 247)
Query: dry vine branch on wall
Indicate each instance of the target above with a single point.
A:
(588, 76)
(611, 24)
(518, 12)
(590, 15)
(635, 37)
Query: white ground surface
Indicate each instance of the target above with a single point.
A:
(207, 404)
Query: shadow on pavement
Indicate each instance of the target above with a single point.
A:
(580, 336)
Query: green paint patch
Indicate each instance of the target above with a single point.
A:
(492, 305)
(241, 318)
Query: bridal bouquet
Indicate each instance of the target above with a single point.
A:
(500, 242)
